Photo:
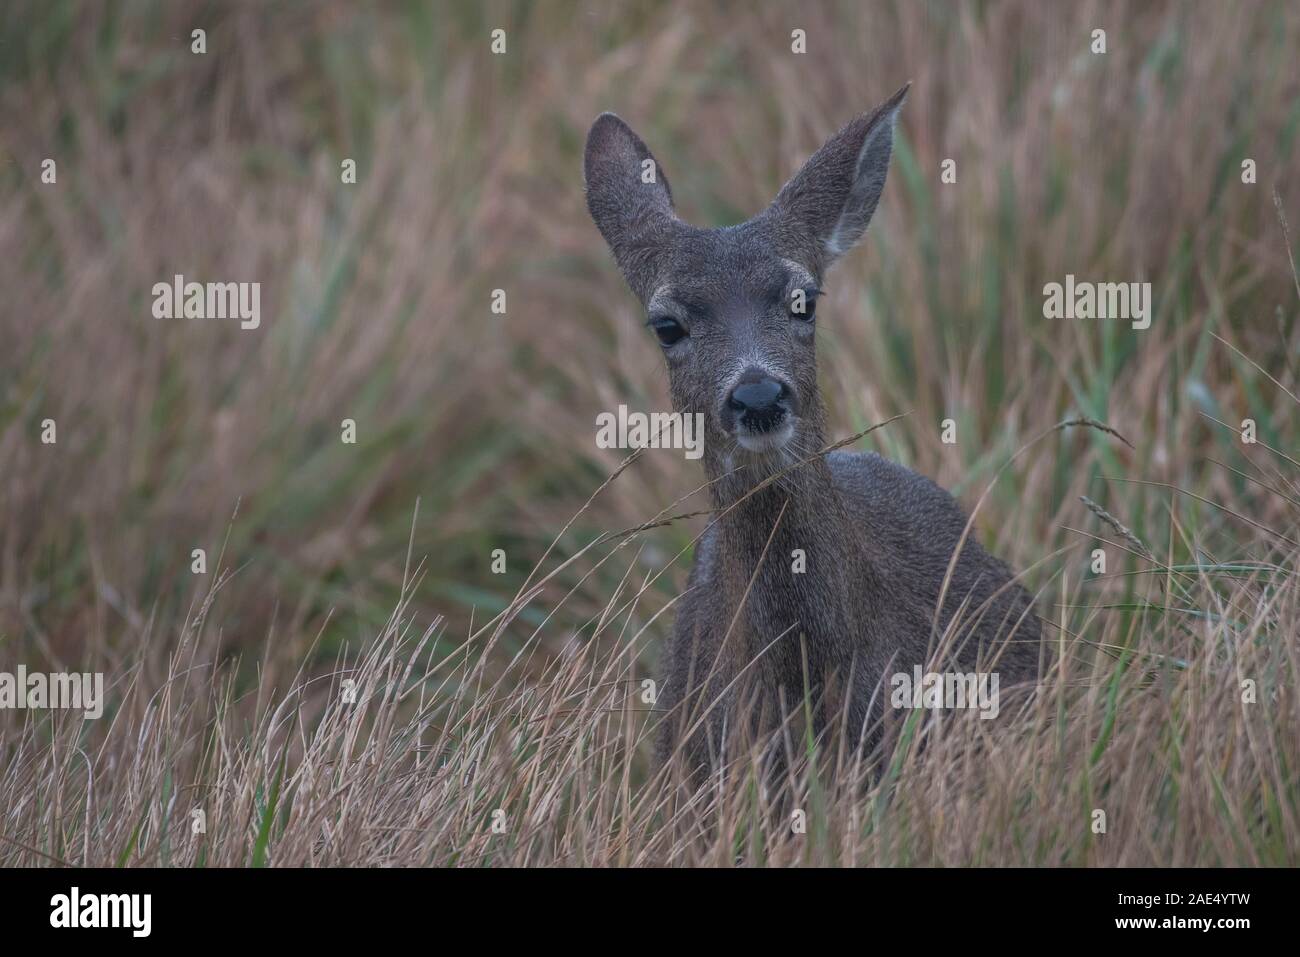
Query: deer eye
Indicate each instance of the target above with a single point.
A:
(803, 304)
(668, 329)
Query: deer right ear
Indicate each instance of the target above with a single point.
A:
(629, 199)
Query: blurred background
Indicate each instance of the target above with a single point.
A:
(376, 296)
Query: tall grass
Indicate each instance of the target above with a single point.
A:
(521, 692)
(409, 757)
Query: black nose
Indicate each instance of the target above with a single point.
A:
(759, 401)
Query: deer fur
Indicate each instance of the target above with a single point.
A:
(878, 539)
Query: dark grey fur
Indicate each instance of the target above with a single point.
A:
(877, 537)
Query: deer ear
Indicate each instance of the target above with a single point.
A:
(825, 208)
(629, 198)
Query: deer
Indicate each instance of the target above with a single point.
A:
(890, 571)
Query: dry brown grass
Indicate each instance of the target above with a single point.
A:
(454, 761)
(375, 306)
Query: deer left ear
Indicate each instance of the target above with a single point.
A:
(826, 207)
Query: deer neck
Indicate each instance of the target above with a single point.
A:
(754, 507)
(789, 558)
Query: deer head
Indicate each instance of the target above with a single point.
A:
(735, 308)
